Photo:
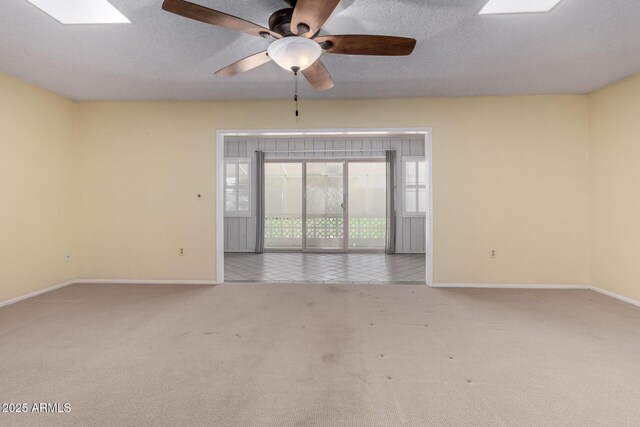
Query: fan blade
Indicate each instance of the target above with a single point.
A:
(318, 76)
(355, 44)
(245, 64)
(213, 17)
(313, 14)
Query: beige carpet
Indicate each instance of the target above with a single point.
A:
(298, 355)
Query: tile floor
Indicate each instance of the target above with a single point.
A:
(326, 268)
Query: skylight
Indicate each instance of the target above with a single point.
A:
(81, 11)
(494, 7)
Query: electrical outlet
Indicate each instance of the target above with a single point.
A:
(181, 253)
(494, 253)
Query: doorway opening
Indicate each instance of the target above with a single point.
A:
(324, 206)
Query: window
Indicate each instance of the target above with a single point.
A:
(414, 182)
(237, 187)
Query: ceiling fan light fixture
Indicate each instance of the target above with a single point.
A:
(294, 52)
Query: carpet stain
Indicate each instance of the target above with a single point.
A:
(330, 358)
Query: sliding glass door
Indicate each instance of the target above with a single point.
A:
(283, 206)
(325, 205)
(367, 205)
(325, 210)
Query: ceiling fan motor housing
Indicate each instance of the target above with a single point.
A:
(280, 22)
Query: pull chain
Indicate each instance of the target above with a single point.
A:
(295, 96)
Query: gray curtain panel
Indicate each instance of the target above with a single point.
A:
(390, 244)
(259, 202)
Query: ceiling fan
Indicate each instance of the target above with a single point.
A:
(296, 44)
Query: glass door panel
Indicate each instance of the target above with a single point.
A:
(324, 213)
(283, 206)
(367, 205)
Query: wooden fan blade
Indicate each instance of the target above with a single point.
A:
(355, 44)
(245, 64)
(213, 17)
(311, 14)
(318, 76)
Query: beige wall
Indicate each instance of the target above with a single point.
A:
(510, 173)
(115, 183)
(614, 133)
(36, 189)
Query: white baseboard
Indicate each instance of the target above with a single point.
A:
(507, 286)
(211, 283)
(106, 281)
(615, 296)
(147, 282)
(516, 286)
(36, 293)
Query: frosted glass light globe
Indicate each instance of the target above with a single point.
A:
(294, 51)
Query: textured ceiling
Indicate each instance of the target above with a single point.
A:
(580, 46)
